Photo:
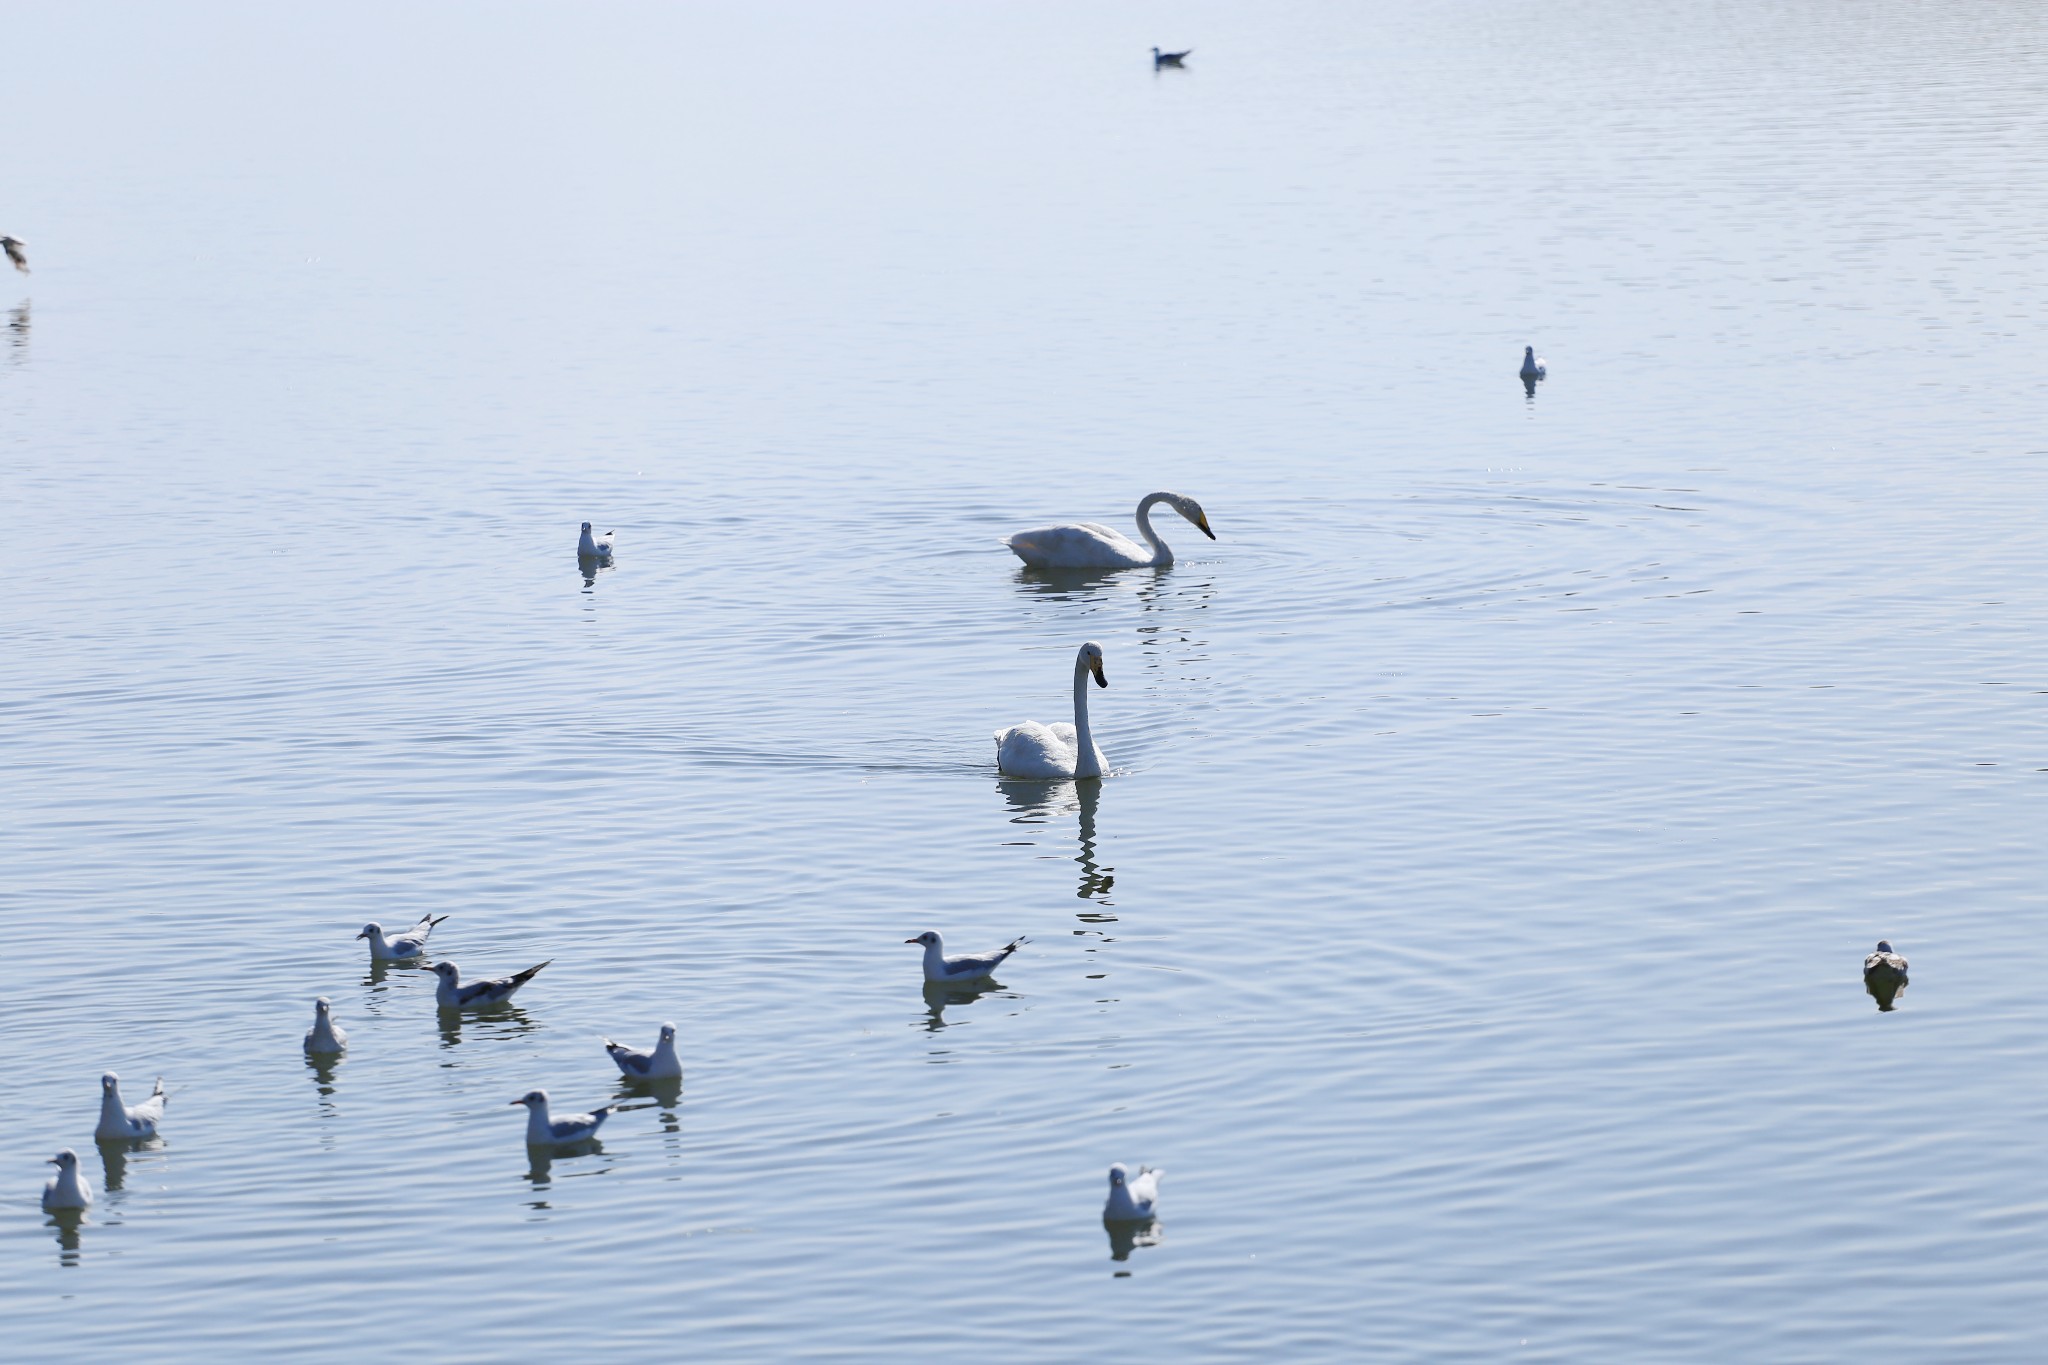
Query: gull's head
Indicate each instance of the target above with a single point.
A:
(1528, 353)
(445, 970)
(532, 1097)
(109, 1081)
(1192, 510)
(1117, 1175)
(928, 938)
(586, 528)
(66, 1158)
(1884, 945)
(668, 1033)
(320, 1006)
(372, 930)
(1091, 659)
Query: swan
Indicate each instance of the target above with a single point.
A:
(1091, 545)
(1532, 368)
(1059, 749)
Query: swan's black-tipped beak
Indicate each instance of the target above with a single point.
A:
(1095, 667)
(1204, 525)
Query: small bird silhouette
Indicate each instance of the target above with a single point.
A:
(1160, 59)
(14, 247)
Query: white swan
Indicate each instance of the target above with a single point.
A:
(1532, 368)
(1060, 749)
(1091, 545)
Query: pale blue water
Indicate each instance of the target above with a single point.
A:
(1504, 802)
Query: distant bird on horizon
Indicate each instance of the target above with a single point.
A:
(1132, 1198)
(325, 1036)
(68, 1189)
(662, 1064)
(16, 252)
(411, 943)
(544, 1130)
(118, 1121)
(940, 969)
(1160, 59)
(452, 994)
(598, 548)
(1532, 368)
(1884, 974)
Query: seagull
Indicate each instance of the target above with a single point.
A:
(325, 1035)
(1532, 368)
(1160, 59)
(451, 994)
(965, 967)
(118, 1121)
(411, 943)
(1884, 974)
(68, 1189)
(13, 246)
(658, 1065)
(598, 548)
(543, 1131)
(1132, 1199)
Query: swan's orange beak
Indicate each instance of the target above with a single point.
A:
(1095, 667)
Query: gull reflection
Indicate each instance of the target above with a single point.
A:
(666, 1092)
(323, 1066)
(114, 1154)
(1126, 1237)
(540, 1162)
(939, 996)
(490, 1021)
(67, 1222)
(17, 332)
(1037, 803)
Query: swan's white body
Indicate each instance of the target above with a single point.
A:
(544, 1130)
(1057, 750)
(1532, 368)
(1132, 1198)
(598, 548)
(662, 1064)
(325, 1036)
(1091, 545)
(118, 1121)
(411, 943)
(68, 1189)
(961, 967)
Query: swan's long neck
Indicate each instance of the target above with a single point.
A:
(1161, 553)
(1084, 742)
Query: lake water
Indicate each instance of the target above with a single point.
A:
(1502, 806)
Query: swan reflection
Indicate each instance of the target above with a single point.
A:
(1038, 803)
(67, 1222)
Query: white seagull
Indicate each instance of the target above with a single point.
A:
(543, 1131)
(118, 1121)
(1091, 545)
(68, 1189)
(1061, 749)
(938, 968)
(15, 249)
(1532, 368)
(411, 943)
(661, 1064)
(598, 548)
(452, 994)
(325, 1035)
(1132, 1198)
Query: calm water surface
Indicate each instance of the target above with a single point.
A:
(1502, 803)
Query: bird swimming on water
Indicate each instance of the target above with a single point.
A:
(1132, 1198)
(16, 250)
(325, 1036)
(1884, 974)
(1091, 545)
(411, 943)
(662, 1064)
(68, 1189)
(940, 969)
(118, 1121)
(453, 994)
(1532, 368)
(1160, 59)
(598, 548)
(544, 1130)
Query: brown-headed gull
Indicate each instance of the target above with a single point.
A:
(118, 1121)
(454, 994)
(68, 1189)
(1132, 1198)
(325, 1035)
(598, 548)
(411, 943)
(963, 967)
(1884, 974)
(661, 1064)
(543, 1130)
(1532, 368)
